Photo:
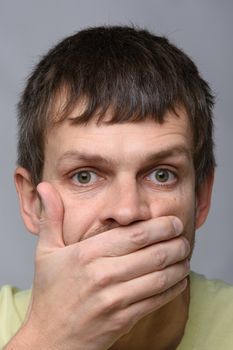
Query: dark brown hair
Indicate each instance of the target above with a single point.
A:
(137, 74)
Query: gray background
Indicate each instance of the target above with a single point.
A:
(202, 28)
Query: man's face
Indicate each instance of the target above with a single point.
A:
(114, 175)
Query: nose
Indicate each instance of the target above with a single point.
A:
(125, 203)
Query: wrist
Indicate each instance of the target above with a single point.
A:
(28, 338)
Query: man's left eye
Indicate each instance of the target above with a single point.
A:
(85, 177)
(162, 176)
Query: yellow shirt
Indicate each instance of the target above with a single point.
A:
(210, 323)
(13, 308)
(209, 327)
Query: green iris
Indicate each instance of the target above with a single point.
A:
(84, 177)
(162, 175)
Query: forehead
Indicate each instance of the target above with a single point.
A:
(130, 141)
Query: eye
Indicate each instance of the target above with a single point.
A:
(162, 176)
(85, 177)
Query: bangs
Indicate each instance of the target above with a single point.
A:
(131, 80)
(130, 103)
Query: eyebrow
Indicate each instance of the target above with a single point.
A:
(175, 151)
(171, 152)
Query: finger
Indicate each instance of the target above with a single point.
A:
(51, 219)
(137, 311)
(122, 295)
(153, 284)
(125, 240)
(147, 260)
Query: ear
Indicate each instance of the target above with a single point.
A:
(203, 199)
(30, 205)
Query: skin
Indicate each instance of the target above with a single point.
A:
(106, 214)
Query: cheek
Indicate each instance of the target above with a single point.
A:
(182, 206)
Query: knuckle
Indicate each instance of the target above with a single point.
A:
(43, 222)
(139, 237)
(156, 302)
(160, 259)
(123, 321)
(161, 281)
(120, 323)
(80, 256)
(111, 303)
(177, 289)
(102, 279)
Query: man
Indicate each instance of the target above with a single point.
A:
(115, 174)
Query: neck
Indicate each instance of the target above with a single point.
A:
(160, 330)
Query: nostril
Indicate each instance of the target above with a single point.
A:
(126, 215)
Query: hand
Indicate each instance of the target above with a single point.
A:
(87, 295)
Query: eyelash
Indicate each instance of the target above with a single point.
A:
(84, 171)
(167, 184)
(158, 184)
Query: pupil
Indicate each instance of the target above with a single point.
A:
(161, 176)
(84, 177)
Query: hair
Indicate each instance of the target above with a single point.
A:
(129, 70)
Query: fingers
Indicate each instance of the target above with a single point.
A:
(154, 283)
(147, 260)
(125, 240)
(51, 219)
(151, 286)
(133, 313)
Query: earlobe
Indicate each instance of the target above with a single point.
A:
(29, 200)
(203, 199)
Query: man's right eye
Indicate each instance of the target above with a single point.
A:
(85, 177)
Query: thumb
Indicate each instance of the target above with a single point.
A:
(51, 219)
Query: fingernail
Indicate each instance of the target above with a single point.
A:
(177, 225)
(187, 263)
(184, 283)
